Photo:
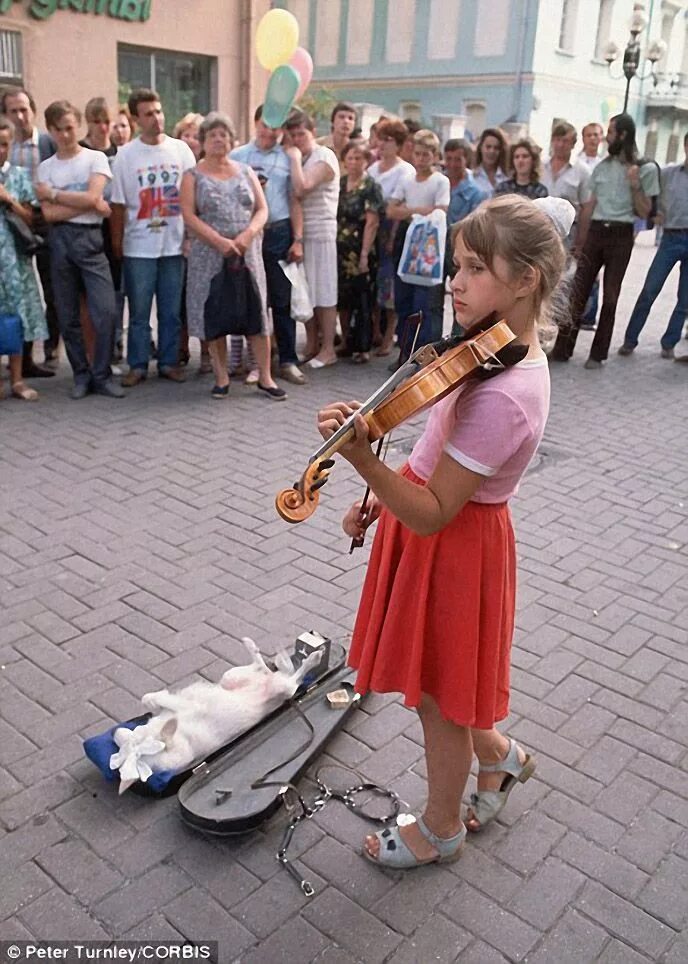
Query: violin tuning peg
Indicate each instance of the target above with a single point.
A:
(325, 464)
(319, 484)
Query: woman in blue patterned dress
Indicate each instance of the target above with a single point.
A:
(19, 293)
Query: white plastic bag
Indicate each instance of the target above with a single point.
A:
(301, 307)
(422, 260)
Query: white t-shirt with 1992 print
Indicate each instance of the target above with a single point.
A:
(147, 178)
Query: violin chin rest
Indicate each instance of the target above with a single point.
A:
(510, 355)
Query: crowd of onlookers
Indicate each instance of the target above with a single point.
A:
(205, 226)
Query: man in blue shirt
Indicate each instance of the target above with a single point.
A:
(465, 197)
(465, 193)
(282, 237)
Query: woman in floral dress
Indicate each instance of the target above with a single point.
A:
(19, 293)
(361, 206)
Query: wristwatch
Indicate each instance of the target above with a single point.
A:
(297, 241)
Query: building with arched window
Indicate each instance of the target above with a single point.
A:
(461, 65)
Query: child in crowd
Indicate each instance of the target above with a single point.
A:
(436, 616)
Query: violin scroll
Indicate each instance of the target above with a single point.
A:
(301, 501)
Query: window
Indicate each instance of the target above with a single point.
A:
(410, 110)
(567, 30)
(359, 33)
(604, 28)
(327, 23)
(11, 68)
(401, 28)
(444, 29)
(492, 22)
(184, 81)
(476, 116)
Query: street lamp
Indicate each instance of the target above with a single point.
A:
(632, 55)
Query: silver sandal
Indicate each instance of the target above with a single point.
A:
(396, 854)
(488, 804)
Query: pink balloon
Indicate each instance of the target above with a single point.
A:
(302, 62)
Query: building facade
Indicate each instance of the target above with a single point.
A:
(197, 53)
(461, 65)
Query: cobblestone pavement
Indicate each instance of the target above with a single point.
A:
(139, 543)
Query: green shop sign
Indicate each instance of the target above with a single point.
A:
(133, 10)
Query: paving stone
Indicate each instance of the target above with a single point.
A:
(584, 819)
(610, 869)
(438, 939)
(198, 917)
(60, 916)
(666, 894)
(606, 759)
(43, 796)
(294, 937)
(648, 839)
(154, 890)
(572, 693)
(500, 929)
(354, 929)
(413, 899)
(345, 870)
(530, 842)
(617, 952)
(625, 796)
(25, 885)
(574, 939)
(547, 893)
(623, 920)
(587, 725)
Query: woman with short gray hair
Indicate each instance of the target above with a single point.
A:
(225, 211)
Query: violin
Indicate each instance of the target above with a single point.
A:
(428, 376)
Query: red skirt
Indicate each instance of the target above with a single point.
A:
(437, 614)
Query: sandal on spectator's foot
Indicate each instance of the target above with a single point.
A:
(22, 391)
(395, 853)
(220, 391)
(488, 804)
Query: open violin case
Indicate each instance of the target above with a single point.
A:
(217, 795)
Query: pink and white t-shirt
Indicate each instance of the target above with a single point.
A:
(491, 427)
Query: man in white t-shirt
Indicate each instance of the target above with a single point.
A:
(148, 233)
(70, 188)
(315, 182)
(427, 191)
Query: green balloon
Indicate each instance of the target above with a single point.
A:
(283, 86)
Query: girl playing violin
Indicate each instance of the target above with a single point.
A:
(436, 616)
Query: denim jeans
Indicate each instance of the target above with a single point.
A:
(409, 299)
(672, 249)
(143, 278)
(76, 259)
(276, 243)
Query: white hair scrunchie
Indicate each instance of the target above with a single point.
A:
(561, 213)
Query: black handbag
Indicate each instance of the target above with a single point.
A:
(25, 241)
(233, 305)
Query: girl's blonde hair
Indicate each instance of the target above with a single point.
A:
(516, 230)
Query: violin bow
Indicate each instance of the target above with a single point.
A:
(357, 541)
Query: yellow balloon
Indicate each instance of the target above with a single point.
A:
(277, 37)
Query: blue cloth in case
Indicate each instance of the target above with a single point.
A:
(100, 748)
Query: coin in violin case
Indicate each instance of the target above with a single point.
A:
(160, 785)
(238, 790)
